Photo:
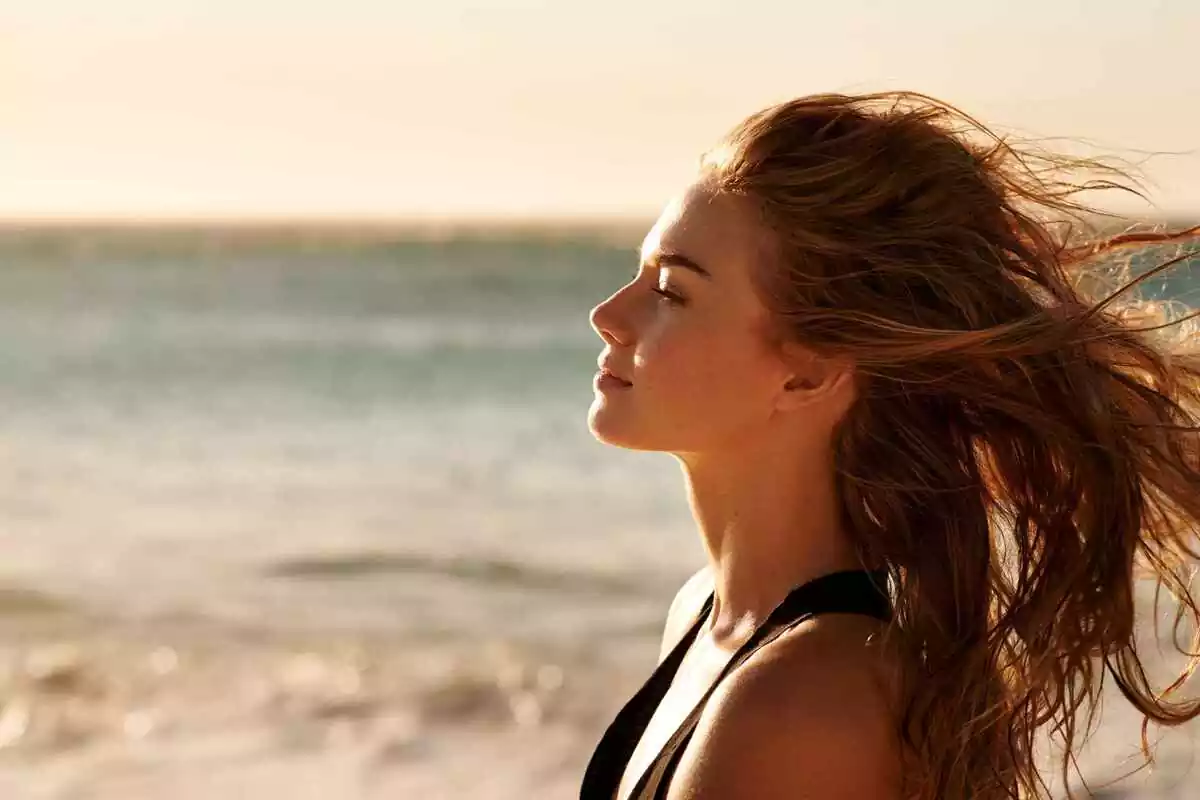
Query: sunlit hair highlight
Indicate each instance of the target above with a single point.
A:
(1025, 442)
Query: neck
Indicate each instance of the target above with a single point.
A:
(769, 522)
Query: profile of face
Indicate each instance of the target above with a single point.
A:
(689, 332)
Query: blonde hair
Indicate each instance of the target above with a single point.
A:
(1018, 446)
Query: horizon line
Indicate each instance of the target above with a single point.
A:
(425, 221)
(285, 218)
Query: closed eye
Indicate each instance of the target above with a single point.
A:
(671, 297)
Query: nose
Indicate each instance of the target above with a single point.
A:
(607, 323)
(597, 317)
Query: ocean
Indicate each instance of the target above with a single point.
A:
(284, 439)
(325, 427)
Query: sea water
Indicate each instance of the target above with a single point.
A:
(327, 427)
(325, 431)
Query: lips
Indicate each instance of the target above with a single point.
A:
(605, 369)
(608, 374)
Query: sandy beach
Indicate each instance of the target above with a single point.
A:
(195, 710)
(188, 709)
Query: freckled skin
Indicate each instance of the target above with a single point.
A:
(702, 371)
(751, 423)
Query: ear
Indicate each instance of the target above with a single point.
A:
(817, 380)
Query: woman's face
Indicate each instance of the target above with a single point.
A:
(702, 373)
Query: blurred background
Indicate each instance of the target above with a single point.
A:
(297, 496)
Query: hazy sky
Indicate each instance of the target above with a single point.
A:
(515, 107)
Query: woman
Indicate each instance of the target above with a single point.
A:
(925, 470)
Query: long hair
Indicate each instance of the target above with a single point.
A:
(1025, 440)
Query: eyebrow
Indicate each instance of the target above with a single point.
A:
(672, 259)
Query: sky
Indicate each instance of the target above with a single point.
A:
(515, 108)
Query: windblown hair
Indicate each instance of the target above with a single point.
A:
(1024, 447)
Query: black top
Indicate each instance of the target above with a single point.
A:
(845, 592)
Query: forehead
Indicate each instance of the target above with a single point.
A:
(717, 230)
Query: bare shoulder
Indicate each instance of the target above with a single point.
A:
(684, 607)
(810, 715)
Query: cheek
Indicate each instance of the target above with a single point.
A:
(718, 377)
(676, 358)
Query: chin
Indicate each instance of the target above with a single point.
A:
(607, 428)
(603, 425)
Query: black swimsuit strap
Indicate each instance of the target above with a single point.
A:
(614, 752)
(847, 591)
